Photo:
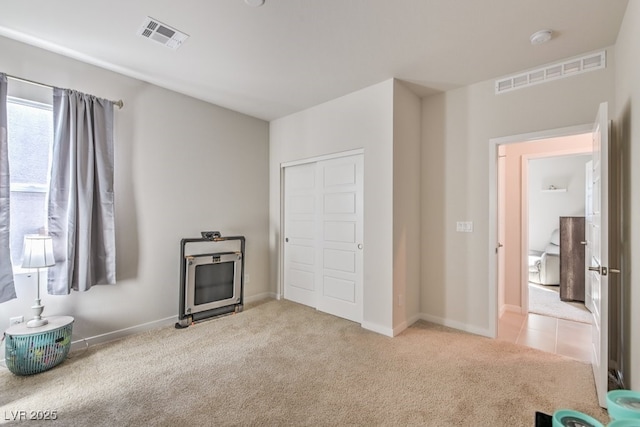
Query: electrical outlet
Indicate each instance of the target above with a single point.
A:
(246, 278)
(16, 320)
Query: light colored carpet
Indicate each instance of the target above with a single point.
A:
(280, 363)
(546, 300)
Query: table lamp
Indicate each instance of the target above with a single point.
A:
(38, 253)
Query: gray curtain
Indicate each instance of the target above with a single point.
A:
(7, 290)
(80, 207)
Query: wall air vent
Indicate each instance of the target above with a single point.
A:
(155, 30)
(570, 67)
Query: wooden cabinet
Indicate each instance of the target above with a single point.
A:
(572, 253)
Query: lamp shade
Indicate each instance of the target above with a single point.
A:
(38, 251)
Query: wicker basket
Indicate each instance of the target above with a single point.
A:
(37, 352)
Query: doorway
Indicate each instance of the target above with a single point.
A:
(553, 192)
(556, 201)
(515, 155)
(598, 228)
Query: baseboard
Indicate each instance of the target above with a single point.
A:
(401, 327)
(457, 325)
(121, 333)
(404, 325)
(260, 297)
(511, 309)
(111, 336)
(377, 328)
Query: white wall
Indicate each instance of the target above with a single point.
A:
(406, 207)
(626, 116)
(363, 119)
(384, 120)
(457, 126)
(181, 166)
(545, 208)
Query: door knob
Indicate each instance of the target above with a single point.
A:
(604, 270)
(583, 243)
(286, 239)
(359, 245)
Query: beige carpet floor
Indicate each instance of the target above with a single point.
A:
(279, 363)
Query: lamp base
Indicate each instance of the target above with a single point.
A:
(34, 323)
(37, 312)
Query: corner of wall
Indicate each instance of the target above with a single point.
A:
(407, 113)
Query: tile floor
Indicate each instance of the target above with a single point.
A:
(560, 336)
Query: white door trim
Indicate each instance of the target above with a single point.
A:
(494, 143)
(321, 158)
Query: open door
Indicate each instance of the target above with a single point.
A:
(597, 236)
(588, 205)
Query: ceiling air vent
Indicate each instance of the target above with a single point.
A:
(155, 30)
(571, 67)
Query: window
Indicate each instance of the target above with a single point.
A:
(30, 136)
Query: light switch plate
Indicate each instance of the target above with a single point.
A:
(464, 226)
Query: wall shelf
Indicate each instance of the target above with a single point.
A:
(555, 190)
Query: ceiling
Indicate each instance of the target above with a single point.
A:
(289, 55)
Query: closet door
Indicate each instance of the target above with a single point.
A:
(323, 229)
(341, 245)
(301, 234)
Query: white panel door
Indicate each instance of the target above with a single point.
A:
(301, 234)
(323, 229)
(598, 243)
(341, 244)
(588, 203)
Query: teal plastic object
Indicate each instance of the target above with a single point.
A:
(567, 417)
(624, 423)
(624, 404)
(34, 353)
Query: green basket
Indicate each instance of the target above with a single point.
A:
(34, 353)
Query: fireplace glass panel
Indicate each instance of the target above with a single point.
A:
(214, 282)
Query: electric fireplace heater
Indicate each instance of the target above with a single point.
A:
(212, 282)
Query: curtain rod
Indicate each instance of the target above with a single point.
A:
(118, 103)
